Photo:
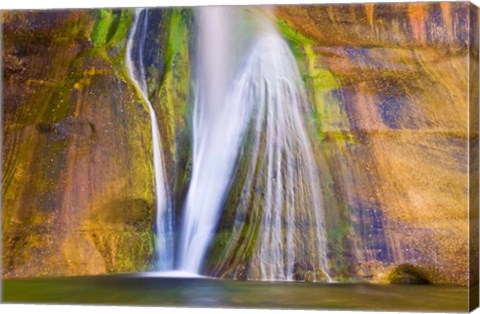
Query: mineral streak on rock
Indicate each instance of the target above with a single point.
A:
(390, 87)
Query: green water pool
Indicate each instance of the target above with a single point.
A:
(189, 292)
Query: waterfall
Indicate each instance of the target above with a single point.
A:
(217, 135)
(279, 211)
(164, 212)
(252, 124)
(249, 145)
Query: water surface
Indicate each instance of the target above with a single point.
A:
(204, 292)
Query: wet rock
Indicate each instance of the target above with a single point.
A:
(310, 276)
(79, 159)
(13, 64)
(321, 275)
(408, 274)
(136, 213)
(68, 128)
(300, 270)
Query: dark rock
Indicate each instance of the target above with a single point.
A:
(300, 270)
(68, 128)
(408, 274)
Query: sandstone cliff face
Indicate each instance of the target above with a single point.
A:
(78, 195)
(75, 197)
(389, 84)
(389, 89)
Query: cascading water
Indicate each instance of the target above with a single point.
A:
(255, 124)
(164, 212)
(217, 134)
(247, 119)
(279, 211)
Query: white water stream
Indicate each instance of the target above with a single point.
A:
(218, 126)
(164, 212)
(265, 93)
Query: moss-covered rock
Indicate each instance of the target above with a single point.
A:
(78, 185)
(74, 140)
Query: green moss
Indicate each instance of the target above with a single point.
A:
(319, 82)
(175, 87)
(102, 27)
(293, 35)
(135, 212)
(119, 27)
(323, 79)
(111, 27)
(338, 136)
(126, 251)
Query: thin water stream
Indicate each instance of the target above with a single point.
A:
(164, 212)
